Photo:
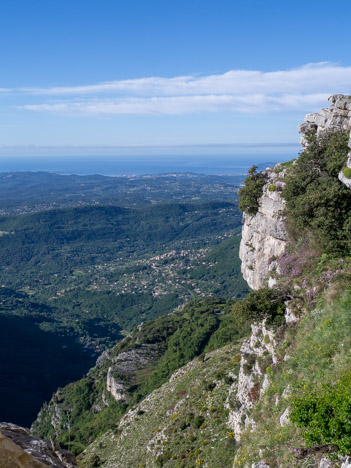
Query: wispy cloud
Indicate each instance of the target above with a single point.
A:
(236, 90)
(183, 104)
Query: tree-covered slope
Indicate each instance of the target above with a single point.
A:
(80, 279)
(103, 269)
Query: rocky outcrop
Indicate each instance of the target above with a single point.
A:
(264, 235)
(125, 367)
(114, 377)
(19, 449)
(335, 117)
(346, 462)
(257, 354)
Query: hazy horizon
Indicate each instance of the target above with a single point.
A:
(197, 159)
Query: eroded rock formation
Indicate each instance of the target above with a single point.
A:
(335, 117)
(19, 449)
(264, 235)
(125, 366)
(257, 353)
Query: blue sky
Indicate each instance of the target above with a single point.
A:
(108, 72)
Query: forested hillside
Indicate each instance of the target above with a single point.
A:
(79, 279)
(97, 270)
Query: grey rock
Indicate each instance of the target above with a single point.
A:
(113, 385)
(325, 463)
(346, 462)
(248, 384)
(306, 127)
(264, 235)
(284, 418)
(289, 316)
(125, 365)
(341, 176)
(18, 444)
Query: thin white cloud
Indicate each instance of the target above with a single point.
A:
(184, 104)
(307, 78)
(236, 90)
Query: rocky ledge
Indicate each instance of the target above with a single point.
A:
(19, 449)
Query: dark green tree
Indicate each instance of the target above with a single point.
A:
(315, 198)
(251, 192)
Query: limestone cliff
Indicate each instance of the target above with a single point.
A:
(267, 435)
(264, 235)
(125, 366)
(336, 117)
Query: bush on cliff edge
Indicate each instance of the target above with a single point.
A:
(315, 198)
(251, 192)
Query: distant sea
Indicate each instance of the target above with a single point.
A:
(230, 163)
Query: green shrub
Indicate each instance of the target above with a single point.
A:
(251, 193)
(198, 421)
(347, 172)
(316, 200)
(262, 304)
(266, 339)
(269, 371)
(325, 415)
(272, 188)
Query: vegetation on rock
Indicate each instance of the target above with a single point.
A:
(347, 172)
(251, 192)
(88, 405)
(316, 200)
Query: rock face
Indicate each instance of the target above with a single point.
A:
(346, 462)
(264, 235)
(19, 449)
(257, 353)
(335, 117)
(126, 365)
